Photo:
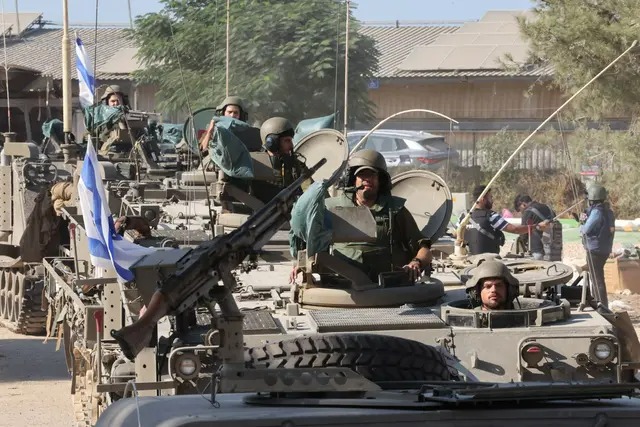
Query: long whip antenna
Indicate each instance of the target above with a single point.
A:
(465, 221)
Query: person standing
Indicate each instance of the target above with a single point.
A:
(597, 237)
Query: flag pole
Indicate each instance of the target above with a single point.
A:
(66, 72)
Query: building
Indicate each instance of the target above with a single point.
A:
(34, 71)
(453, 68)
(458, 69)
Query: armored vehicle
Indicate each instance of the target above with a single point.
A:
(31, 229)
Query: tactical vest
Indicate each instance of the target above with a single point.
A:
(551, 237)
(480, 236)
(386, 252)
(601, 240)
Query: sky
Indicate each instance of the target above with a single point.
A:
(116, 11)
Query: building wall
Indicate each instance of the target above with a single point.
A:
(472, 99)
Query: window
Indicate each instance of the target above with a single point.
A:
(434, 144)
(18, 124)
(381, 143)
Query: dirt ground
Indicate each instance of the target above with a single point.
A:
(34, 383)
(629, 302)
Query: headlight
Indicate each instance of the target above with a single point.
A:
(601, 351)
(187, 366)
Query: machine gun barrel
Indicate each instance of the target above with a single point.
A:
(198, 272)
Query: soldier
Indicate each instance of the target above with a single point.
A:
(597, 235)
(492, 287)
(277, 139)
(399, 243)
(485, 228)
(534, 213)
(231, 106)
(113, 96)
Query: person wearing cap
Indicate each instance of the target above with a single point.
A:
(484, 233)
(597, 233)
(276, 134)
(399, 243)
(492, 287)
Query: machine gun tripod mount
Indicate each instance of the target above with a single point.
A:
(203, 275)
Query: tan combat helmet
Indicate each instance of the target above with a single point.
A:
(111, 89)
(490, 269)
(275, 126)
(233, 100)
(368, 159)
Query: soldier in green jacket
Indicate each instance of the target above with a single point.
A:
(399, 243)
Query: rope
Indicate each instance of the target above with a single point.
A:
(132, 383)
(193, 129)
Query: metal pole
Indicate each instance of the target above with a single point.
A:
(227, 54)
(346, 71)
(66, 71)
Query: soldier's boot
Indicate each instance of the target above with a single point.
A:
(133, 338)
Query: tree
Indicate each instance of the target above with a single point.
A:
(283, 57)
(579, 38)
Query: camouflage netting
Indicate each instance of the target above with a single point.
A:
(305, 127)
(171, 133)
(228, 152)
(310, 224)
(53, 129)
(99, 116)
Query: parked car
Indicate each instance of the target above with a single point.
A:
(408, 148)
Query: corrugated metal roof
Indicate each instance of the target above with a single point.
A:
(395, 42)
(124, 61)
(13, 24)
(472, 49)
(41, 50)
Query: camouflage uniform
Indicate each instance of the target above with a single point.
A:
(398, 238)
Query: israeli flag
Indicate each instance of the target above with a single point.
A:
(106, 248)
(85, 76)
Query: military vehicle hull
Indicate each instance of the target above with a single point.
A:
(385, 410)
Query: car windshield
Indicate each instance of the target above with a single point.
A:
(434, 144)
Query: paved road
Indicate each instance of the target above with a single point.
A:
(34, 383)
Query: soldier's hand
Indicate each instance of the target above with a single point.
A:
(294, 274)
(544, 224)
(414, 268)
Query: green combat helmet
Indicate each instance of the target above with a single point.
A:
(489, 269)
(368, 159)
(233, 100)
(273, 128)
(597, 192)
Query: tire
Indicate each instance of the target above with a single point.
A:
(378, 358)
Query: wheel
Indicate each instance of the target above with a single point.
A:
(3, 294)
(8, 296)
(378, 358)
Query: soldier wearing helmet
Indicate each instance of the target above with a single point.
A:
(492, 287)
(233, 106)
(113, 96)
(399, 242)
(597, 236)
(276, 134)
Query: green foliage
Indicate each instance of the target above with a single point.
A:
(282, 56)
(581, 37)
